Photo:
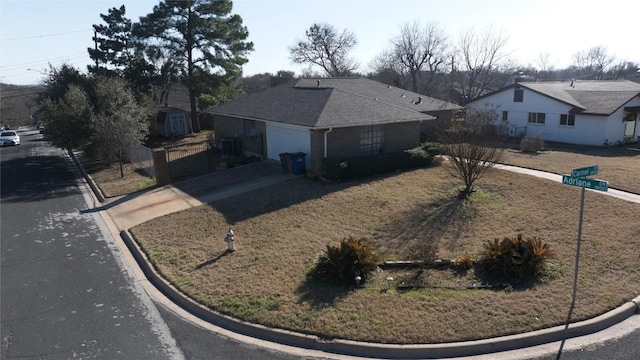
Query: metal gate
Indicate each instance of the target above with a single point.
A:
(189, 160)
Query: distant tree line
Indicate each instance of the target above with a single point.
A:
(202, 46)
(421, 58)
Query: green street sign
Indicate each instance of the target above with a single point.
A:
(584, 171)
(593, 184)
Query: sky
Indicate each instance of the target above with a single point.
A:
(36, 33)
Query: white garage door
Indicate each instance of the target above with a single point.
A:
(287, 140)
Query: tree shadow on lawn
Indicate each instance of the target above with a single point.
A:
(280, 196)
(423, 226)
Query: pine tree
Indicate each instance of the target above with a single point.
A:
(204, 40)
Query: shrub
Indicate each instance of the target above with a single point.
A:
(532, 143)
(517, 256)
(344, 261)
(434, 148)
(336, 169)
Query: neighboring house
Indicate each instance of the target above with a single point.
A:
(328, 118)
(172, 122)
(575, 112)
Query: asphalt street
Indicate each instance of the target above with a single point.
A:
(65, 290)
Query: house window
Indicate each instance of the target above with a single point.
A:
(537, 118)
(505, 116)
(518, 95)
(568, 119)
(371, 139)
(250, 128)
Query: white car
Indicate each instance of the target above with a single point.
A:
(9, 137)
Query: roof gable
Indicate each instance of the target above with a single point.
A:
(598, 97)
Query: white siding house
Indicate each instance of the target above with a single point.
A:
(575, 112)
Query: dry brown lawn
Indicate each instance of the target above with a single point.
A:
(620, 166)
(281, 230)
(108, 176)
(109, 179)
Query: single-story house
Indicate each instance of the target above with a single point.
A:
(172, 122)
(329, 118)
(578, 112)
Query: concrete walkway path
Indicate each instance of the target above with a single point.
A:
(631, 197)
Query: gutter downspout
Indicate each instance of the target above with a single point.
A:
(325, 141)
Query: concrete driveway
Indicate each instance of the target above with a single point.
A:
(131, 210)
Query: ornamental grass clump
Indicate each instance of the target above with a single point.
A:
(344, 261)
(515, 257)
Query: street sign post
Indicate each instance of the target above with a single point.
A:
(579, 179)
(584, 171)
(592, 184)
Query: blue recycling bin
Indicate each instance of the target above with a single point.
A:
(297, 161)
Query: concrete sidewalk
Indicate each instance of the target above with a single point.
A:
(125, 212)
(626, 196)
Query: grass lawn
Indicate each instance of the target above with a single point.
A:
(620, 166)
(285, 227)
(281, 230)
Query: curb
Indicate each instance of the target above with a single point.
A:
(92, 184)
(374, 350)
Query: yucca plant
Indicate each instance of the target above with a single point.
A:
(515, 256)
(344, 261)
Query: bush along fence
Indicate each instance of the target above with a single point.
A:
(337, 169)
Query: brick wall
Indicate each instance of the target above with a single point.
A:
(227, 127)
(402, 136)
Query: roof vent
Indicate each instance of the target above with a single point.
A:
(417, 101)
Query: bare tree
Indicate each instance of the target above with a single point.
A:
(419, 49)
(472, 148)
(544, 63)
(594, 62)
(387, 70)
(325, 47)
(480, 57)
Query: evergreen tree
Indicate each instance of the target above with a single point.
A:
(69, 118)
(113, 50)
(120, 122)
(203, 39)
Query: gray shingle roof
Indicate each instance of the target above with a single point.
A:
(338, 102)
(590, 97)
(381, 92)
